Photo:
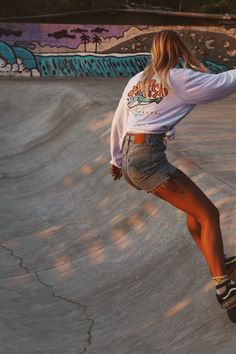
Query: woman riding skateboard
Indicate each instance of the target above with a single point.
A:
(152, 103)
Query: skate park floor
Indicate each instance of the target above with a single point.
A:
(91, 265)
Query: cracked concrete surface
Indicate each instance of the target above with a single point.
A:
(38, 320)
(20, 259)
(89, 265)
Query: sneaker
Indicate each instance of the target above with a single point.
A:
(230, 262)
(227, 300)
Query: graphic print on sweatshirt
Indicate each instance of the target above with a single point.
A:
(138, 97)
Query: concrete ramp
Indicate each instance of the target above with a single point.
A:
(89, 265)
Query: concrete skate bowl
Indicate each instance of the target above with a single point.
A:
(89, 265)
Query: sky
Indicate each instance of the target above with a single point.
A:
(57, 35)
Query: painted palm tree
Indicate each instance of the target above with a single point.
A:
(85, 39)
(97, 40)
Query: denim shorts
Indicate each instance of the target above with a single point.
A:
(145, 165)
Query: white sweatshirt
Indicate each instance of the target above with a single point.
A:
(160, 112)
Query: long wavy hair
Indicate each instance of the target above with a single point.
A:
(166, 51)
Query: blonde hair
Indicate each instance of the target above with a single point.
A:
(167, 49)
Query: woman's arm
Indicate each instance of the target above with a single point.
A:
(118, 130)
(195, 87)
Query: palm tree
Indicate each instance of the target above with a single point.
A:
(97, 40)
(85, 39)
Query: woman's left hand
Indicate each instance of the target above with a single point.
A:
(116, 172)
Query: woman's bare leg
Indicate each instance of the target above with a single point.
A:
(194, 228)
(184, 194)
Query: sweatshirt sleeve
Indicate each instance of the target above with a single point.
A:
(118, 130)
(199, 88)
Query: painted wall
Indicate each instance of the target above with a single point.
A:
(57, 50)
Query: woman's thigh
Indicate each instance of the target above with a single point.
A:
(180, 191)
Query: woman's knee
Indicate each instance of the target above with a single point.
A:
(215, 214)
(209, 214)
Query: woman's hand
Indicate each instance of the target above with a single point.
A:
(116, 172)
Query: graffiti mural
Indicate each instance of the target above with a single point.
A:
(17, 61)
(57, 50)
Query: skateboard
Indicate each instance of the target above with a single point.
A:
(232, 275)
